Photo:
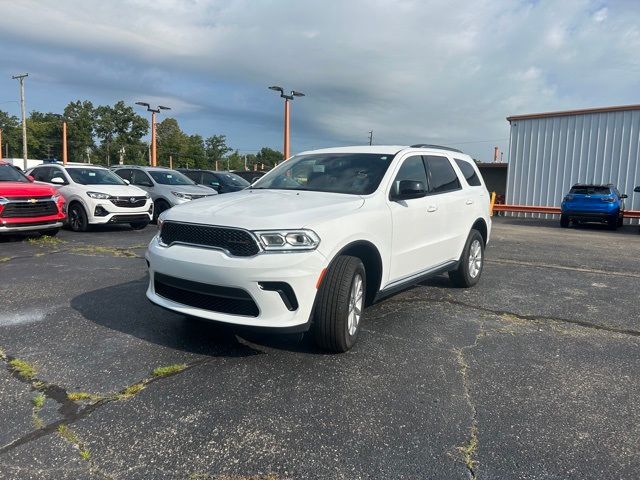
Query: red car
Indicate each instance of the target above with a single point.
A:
(26, 206)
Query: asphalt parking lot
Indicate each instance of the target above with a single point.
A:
(532, 374)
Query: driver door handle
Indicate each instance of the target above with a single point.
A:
(469, 202)
(432, 208)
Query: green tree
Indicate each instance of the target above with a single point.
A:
(44, 135)
(120, 130)
(170, 140)
(105, 131)
(194, 152)
(80, 117)
(216, 148)
(268, 157)
(11, 135)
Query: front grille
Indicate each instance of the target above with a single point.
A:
(196, 196)
(142, 217)
(232, 301)
(126, 202)
(25, 208)
(239, 243)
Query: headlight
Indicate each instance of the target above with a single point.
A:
(3, 201)
(184, 196)
(56, 197)
(147, 196)
(288, 240)
(99, 195)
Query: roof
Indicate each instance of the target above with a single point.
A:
(585, 111)
(379, 149)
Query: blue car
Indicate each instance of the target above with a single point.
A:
(593, 203)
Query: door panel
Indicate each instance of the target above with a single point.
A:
(414, 223)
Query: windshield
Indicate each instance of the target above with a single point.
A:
(590, 190)
(232, 180)
(352, 173)
(170, 177)
(94, 176)
(9, 173)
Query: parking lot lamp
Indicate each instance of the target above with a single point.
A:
(287, 99)
(153, 111)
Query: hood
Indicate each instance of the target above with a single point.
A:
(20, 189)
(195, 189)
(116, 190)
(266, 209)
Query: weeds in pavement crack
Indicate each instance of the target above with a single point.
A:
(38, 403)
(22, 368)
(468, 450)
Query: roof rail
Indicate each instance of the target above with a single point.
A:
(427, 145)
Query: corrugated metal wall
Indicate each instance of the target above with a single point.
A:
(547, 155)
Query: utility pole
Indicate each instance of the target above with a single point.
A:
(21, 78)
(154, 111)
(370, 137)
(0, 144)
(64, 143)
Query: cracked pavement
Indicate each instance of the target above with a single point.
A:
(529, 375)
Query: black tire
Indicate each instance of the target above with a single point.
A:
(564, 221)
(49, 233)
(78, 221)
(331, 326)
(620, 220)
(158, 207)
(612, 223)
(139, 225)
(464, 276)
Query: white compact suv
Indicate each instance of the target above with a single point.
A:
(320, 237)
(95, 195)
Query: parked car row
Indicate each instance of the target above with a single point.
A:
(46, 196)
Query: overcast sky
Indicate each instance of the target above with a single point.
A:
(442, 71)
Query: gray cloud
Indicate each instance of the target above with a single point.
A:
(410, 70)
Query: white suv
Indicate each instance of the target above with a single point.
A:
(96, 195)
(321, 236)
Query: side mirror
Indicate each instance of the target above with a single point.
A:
(408, 189)
(637, 189)
(215, 186)
(624, 195)
(31, 179)
(126, 181)
(57, 181)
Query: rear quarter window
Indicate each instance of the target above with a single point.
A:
(469, 173)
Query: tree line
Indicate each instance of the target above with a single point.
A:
(110, 134)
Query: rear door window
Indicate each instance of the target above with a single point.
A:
(469, 173)
(442, 176)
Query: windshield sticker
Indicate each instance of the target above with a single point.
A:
(318, 168)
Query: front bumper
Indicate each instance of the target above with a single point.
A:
(197, 269)
(30, 227)
(105, 212)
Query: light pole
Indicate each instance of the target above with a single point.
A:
(21, 78)
(287, 99)
(153, 127)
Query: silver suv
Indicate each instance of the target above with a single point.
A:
(166, 187)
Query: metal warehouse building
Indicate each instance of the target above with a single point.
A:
(549, 152)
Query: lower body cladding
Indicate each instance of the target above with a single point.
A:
(107, 215)
(271, 290)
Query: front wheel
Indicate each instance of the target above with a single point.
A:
(78, 220)
(159, 207)
(340, 304)
(471, 262)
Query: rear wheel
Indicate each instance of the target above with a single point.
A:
(564, 221)
(139, 225)
(612, 222)
(78, 221)
(471, 262)
(340, 304)
(621, 220)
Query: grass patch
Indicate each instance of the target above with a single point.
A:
(45, 241)
(70, 436)
(22, 368)
(75, 396)
(100, 250)
(4, 259)
(85, 454)
(131, 391)
(468, 451)
(169, 370)
(38, 400)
